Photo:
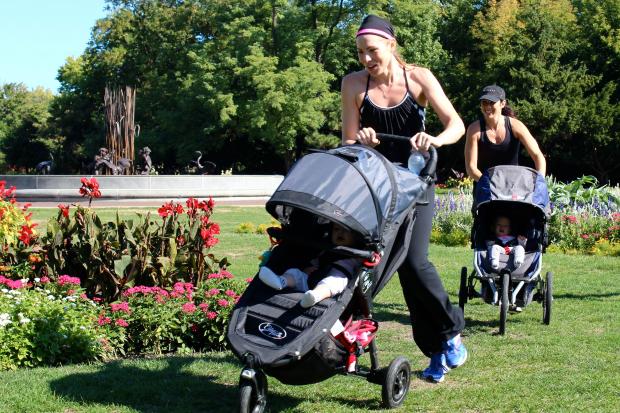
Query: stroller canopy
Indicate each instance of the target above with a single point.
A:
(515, 184)
(352, 185)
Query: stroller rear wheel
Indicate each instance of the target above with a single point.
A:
(547, 298)
(503, 305)
(463, 290)
(396, 383)
(252, 392)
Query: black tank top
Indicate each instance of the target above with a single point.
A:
(405, 119)
(504, 153)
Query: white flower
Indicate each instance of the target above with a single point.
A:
(5, 319)
(50, 297)
(37, 279)
(5, 290)
(23, 319)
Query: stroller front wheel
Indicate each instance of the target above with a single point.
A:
(253, 393)
(396, 383)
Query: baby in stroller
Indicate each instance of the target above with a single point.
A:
(331, 271)
(505, 243)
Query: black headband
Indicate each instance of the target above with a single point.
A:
(376, 25)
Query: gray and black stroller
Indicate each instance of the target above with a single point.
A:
(357, 188)
(520, 194)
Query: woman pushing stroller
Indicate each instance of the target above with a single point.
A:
(390, 96)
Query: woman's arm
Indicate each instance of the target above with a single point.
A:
(471, 151)
(453, 127)
(349, 95)
(530, 145)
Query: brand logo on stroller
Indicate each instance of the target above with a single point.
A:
(272, 331)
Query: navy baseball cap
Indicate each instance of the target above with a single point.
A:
(493, 93)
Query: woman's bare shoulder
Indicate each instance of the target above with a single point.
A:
(473, 129)
(355, 78)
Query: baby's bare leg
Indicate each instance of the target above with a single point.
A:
(311, 297)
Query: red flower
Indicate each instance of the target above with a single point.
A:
(26, 234)
(211, 315)
(90, 189)
(569, 218)
(64, 209)
(585, 236)
(121, 323)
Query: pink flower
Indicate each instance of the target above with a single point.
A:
(569, 218)
(44, 280)
(65, 279)
(204, 307)
(213, 276)
(103, 320)
(122, 307)
(226, 274)
(249, 279)
(585, 236)
(212, 292)
(230, 293)
(121, 323)
(222, 302)
(188, 308)
(211, 315)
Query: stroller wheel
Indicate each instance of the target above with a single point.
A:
(463, 293)
(503, 306)
(547, 298)
(252, 392)
(396, 383)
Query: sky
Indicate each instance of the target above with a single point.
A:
(37, 36)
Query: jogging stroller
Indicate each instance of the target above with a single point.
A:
(357, 188)
(520, 194)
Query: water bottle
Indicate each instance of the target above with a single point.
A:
(416, 162)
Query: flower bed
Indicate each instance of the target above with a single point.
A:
(48, 322)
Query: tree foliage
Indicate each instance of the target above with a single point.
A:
(253, 84)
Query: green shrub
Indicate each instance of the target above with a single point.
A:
(48, 324)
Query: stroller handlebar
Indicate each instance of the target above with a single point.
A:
(431, 163)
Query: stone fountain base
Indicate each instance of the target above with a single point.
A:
(122, 187)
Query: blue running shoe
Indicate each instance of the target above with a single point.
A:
(436, 371)
(455, 352)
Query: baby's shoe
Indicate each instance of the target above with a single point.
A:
(309, 299)
(519, 255)
(495, 251)
(271, 278)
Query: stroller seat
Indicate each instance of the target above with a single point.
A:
(525, 272)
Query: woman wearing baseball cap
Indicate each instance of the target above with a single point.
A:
(496, 138)
(391, 96)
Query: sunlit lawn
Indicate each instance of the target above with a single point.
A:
(570, 365)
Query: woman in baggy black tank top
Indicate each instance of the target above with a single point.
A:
(390, 96)
(496, 138)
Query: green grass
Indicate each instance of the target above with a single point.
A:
(570, 365)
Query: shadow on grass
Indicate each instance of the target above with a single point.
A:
(587, 296)
(173, 388)
(391, 312)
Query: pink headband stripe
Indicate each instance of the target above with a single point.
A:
(375, 31)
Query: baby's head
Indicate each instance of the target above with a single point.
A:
(342, 236)
(502, 226)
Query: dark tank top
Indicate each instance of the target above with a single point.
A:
(405, 119)
(491, 154)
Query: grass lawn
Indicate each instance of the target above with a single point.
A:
(570, 365)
